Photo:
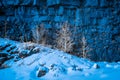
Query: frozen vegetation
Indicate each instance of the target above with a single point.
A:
(29, 61)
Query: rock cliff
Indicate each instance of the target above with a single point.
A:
(98, 21)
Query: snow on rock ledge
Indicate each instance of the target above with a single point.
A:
(49, 64)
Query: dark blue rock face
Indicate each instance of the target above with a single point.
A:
(97, 20)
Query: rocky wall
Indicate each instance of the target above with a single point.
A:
(98, 21)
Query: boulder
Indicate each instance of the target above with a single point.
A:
(2, 60)
(3, 54)
(96, 66)
(41, 71)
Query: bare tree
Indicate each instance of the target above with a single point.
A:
(39, 34)
(85, 48)
(64, 40)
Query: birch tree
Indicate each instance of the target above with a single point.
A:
(85, 48)
(39, 34)
(64, 40)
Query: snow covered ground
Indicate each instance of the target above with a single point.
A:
(48, 64)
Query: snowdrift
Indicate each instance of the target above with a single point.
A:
(29, 61)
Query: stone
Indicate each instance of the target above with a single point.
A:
(103, 3)
(34, 11)
(43, 18)
(71, 2)
(8, 3)
(24, 53)
(51, 11)
(42, 71)
(39, 2)
(4, 46)
(96, 66)
(10, 48)
(91, 3)
(61, 10)
(57, 18)
(25, 2)
(36, 50)
(2, 59)
(3, 54)
(53, 2)
(103, 21)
